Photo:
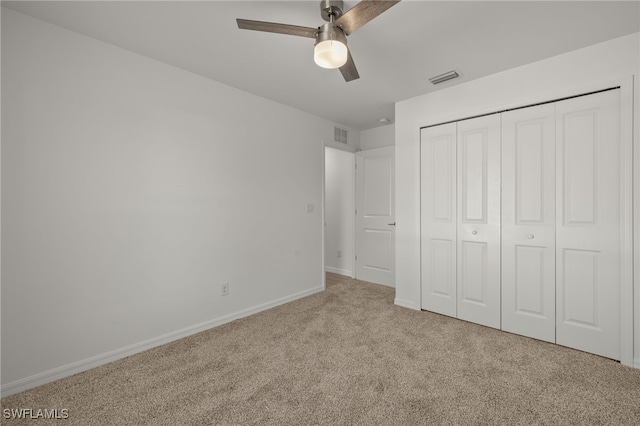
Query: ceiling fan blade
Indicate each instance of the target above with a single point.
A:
(270, 27)
(362, 13)
(349, 70)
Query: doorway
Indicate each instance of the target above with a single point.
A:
(339, 231)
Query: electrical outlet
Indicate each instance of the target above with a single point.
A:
(224, 289)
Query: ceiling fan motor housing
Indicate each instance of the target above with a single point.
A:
(331, 9)
(331, 31)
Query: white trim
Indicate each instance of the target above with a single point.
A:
(323, 216)
(406, 304)
(107, 357)
(354, 218)
(339, 271)
(626, 221)
(635, 261)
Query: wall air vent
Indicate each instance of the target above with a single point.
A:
(339, 135)
(444, 77)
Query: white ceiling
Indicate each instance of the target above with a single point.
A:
(395, 53)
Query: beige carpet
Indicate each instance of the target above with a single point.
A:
(347, 356)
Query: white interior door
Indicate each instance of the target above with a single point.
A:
(478, 229)
(588, 223)
(438, 218)
(375, 216)
(528, 222)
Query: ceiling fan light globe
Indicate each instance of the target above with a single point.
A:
(330, 54)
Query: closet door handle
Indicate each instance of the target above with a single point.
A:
(474, 232)
(530, 236)
(392, 224)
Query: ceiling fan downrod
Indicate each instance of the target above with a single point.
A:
(331, 9)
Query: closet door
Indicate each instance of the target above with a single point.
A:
(528, 222)
(478, 230)
(438, 218)
(588, 223)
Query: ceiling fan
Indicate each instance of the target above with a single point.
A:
(331, 49)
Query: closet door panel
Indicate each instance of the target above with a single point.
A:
(588, 224)
(438, 218)
(528, 222)
(478, 230)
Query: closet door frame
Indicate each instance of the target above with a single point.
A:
(626, 223)
(630, 159)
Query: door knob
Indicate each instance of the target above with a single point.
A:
(474, 232)
(530, 236)
(392, 224)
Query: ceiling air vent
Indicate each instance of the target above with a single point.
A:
(339, 135)
(444, 77)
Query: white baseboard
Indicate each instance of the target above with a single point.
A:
(406, 304)
(338, 271)
(636, 363)
(107, 357)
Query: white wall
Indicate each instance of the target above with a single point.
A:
(339, 210)
(563, 75)
(378, 137)
(130, 191)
